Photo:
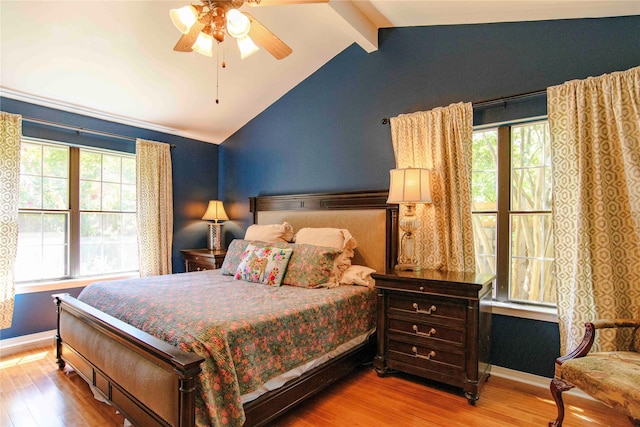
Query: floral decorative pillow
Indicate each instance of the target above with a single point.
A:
(310, 266)
(235, 252)
(263, 265)
(338, 238)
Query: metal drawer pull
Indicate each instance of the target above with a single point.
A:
(427, 357)
(431, 309)
(432, 331)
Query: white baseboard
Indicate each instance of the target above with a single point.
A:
(11, 346)
(43, 339)
(534, 380)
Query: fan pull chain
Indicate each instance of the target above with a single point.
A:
(218, 73)
(223, 64)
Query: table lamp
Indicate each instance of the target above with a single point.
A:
(407, 187)
(215, 212)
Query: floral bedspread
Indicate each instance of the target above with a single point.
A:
(247, 332)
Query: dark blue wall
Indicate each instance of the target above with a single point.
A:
(525, 345)
(195, 182)
(325, 134)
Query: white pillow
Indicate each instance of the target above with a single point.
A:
(270, 233)
(338, 238)
(358, 275)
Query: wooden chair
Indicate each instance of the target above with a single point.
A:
(610, 377)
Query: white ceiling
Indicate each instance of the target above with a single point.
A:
(114, 59)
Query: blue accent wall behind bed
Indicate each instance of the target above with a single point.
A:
(325, 134)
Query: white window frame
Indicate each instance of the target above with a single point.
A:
(70, 282)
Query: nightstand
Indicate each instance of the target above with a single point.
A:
(202, 259)
(436, 325)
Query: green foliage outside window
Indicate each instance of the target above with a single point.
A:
(106, 206)
(529, 267)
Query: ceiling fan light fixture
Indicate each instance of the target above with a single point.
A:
(247, 47)
(238, 24)
(203, 45)
(184, 18)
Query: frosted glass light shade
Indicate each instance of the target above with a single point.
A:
(203, 45)
(184, 18)
(410, 185)
(215, 212)
(247, 47)
(238, 24)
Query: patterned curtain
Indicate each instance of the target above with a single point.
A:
(11, 134)
(154, 207)
(441, 140)
(595, 140)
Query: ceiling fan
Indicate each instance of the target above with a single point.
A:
(202, 24)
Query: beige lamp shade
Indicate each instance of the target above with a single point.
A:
(215, 211)
(409, 185)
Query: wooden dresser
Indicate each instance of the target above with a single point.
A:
(436, 325)
(202, 259)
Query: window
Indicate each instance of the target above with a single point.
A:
(77, 212)
(511, 190)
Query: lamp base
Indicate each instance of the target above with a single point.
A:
(214, 238)
(408, 267)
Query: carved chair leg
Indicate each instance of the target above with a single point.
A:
(58, 342)
(58, 339)
(557, 386)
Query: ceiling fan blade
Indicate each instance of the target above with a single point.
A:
(265, 38)
(277, 2)
(187, 40)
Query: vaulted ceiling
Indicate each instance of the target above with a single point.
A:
(114, 60)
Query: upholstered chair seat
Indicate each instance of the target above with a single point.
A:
(610, 377)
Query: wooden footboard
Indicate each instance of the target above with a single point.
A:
(151, 382)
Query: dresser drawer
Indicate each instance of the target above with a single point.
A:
(199, 265)
(426, 332)
(427, 308)
(202, 259)
(429, 357)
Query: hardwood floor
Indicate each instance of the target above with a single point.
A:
(33, 392)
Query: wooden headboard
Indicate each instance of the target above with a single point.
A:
(371, 221)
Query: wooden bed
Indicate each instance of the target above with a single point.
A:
(161, 393)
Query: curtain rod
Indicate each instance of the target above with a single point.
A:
(496, 101)
(83, 130)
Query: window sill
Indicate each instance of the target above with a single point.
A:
(57, 285)
(545, 314)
